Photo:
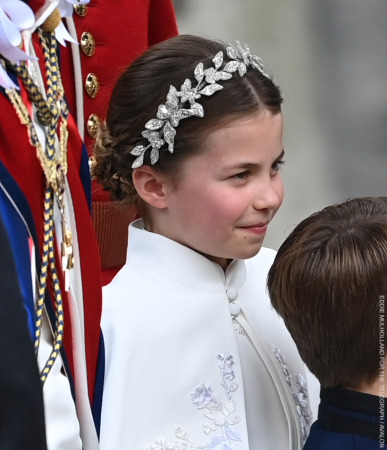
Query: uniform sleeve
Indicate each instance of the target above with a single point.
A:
(21, 412)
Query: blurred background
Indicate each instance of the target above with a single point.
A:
(330, 59)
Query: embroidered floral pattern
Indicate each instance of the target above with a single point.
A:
(299, 393)
(238, 328)
(220, 416)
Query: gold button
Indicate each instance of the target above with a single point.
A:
(88, 43)
(93, 125)
(92, 164)
(92, 85)
(81, 10)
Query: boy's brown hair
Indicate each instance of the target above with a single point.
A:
(328, 282)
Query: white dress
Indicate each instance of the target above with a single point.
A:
(197, 358)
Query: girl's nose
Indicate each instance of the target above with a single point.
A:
(269, 195)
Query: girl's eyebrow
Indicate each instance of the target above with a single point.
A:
(249, 165)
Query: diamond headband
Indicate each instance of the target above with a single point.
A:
(163, 129)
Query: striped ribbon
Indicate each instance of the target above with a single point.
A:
(51, 113)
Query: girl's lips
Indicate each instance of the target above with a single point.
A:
(260, 228)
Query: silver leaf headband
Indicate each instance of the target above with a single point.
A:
(162, 129)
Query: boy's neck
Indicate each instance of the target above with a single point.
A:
(376, 387)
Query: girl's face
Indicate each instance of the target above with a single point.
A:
(227, 195)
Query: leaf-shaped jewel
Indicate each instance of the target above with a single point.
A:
(197, 110)
(148, 134)
(231, 66)
(169, 132)
(169, 136)
(199, 72)
(211, 89)
(242, 69)
(239, 50)
(154, 124)
(172, 96)
(186, 113)
(231, 52)
(175, 118)
(154, 156)
(257, 62)
(223, 76)
(218, 59)
(138, 150)
(138, 162)
(246, 55)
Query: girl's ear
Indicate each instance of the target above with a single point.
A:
(150, 186)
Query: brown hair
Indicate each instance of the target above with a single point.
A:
(326, 283)
(143, 87)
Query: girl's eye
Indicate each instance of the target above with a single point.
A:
(277, 165)
(241, 175)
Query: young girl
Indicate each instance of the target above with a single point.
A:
(195, 356)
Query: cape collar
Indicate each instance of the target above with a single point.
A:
(182, 264)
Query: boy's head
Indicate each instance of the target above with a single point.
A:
(327, 282)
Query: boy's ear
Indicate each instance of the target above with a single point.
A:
(150, 186)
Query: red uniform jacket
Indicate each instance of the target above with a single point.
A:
(111, 36)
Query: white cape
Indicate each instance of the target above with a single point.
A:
(197, 358)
